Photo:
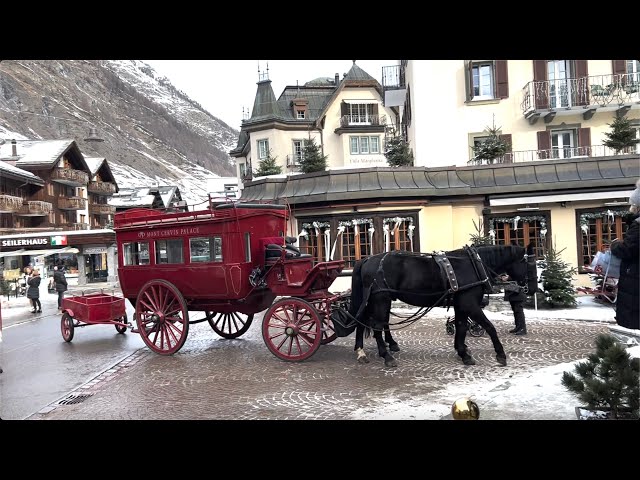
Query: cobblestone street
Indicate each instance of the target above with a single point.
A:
(213, 378)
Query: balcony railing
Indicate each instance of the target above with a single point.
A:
(10, 204)
(72, 203)
(595, 91)
(74, 226)
(359, 120)
(35, 208)
(294, 160)
(393, 77)
(70, 176)
(101, 188)
(100, 209)
(556, 154)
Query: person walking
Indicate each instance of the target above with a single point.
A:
(628, 251)
(514, 294)
(33, 292)
(60, 282)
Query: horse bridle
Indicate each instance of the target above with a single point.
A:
(525, 288)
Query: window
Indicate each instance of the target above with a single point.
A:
(526, 230)
(482, 75)
(598, 228)
(300, 114)
(559, 75)
(169, 251)
(243, 169)
(633, 69)
(136, 253)
(263, 149)
(298, 151)
(363, 113)
(247, 247)
(205, 249)
(364, 145)
(563, 143)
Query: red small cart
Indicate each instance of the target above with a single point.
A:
(92, 309)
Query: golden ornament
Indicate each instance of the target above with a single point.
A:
(465, 409)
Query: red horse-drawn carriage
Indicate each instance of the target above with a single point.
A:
(231, 260)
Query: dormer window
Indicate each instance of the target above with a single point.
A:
(300, 107)
(300, 114)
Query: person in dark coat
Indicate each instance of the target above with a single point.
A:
(33, 292)
(516, 297)
(628, 251)
(60, 282)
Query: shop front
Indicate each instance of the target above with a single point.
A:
(86, 256)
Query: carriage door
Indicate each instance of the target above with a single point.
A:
(559, 83)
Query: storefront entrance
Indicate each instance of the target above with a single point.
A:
(95, 267)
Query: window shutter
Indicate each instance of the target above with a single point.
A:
(544, 143)
(502, 79)
(584, 141)
(540, 90)
(506, 138)
(344, 109)
(468, 79)
(581, 69)
(619, 67)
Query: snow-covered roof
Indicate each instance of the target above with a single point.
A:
(8, 170)
(169, 194)
(133, 197)
(94, 164)
(44, 152)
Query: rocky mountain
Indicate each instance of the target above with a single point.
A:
(153, 132)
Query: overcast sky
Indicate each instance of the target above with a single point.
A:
(224, 87)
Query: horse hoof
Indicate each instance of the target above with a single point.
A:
(363, 360)
(468, 361)
(502, 361)
(394, 348)
(391, 363)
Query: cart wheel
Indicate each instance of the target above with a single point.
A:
(328, 334)
(450, 327)
(120, 329)
(66, 326)
(475, 330)
(292, 329)
(229, 325)
(162, 317)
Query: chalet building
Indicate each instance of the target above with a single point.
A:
(51, 210)
(161, 197)
(556, 186)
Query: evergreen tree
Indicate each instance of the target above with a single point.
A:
(621, 136)
(312, 159)
(557, 278)
(607, 380)
(268, 166)
(397, 152)
(479, 238)
(491, 148)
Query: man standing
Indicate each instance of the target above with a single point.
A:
(516, 297)
(61, 284)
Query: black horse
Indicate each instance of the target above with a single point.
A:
(459, 277)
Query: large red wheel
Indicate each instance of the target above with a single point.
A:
(229, 325)
(162, 317)
(291, 329)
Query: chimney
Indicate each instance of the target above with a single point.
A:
(14, 148)
(337, 79)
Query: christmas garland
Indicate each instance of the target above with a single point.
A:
(542, 220)
(585, 217)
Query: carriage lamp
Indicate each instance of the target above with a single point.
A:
(465, 409)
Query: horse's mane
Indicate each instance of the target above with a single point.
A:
(500, 254)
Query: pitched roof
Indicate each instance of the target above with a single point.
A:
(9, 171)
(134, 197)
(96, 163)
(551, 176)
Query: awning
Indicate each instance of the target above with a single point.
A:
(567, 197)
(11, 254)
(46, 253)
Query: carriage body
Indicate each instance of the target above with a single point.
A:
(84, 309)
(216, 261)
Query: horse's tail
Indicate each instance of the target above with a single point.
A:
(356, 288)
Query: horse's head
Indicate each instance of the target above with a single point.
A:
(523, 269)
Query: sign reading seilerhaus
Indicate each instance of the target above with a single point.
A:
(20, 242)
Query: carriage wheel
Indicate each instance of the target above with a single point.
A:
(122, 319)
(229, 325)
(66, 327)
(292, 329)
(328, 333)
(162, 317)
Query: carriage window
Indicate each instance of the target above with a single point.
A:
(205, 249)
(247, 247)
(169, 251)
(136, 253)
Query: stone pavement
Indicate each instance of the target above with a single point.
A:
(211, 378)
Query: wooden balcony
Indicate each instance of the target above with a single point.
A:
(10, 204)
(74, 226)
(70, 176)
(100, 209)
(101, 188)
(72, 203)
(35, 209)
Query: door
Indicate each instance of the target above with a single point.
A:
(562, 144)
(559, 83)
(96, 267)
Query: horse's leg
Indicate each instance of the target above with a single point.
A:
(461, 335)
(481, 319)
(361, 356)
(389, 361)
(393, 345)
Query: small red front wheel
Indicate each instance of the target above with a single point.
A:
(292, 329)
(66, 327)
